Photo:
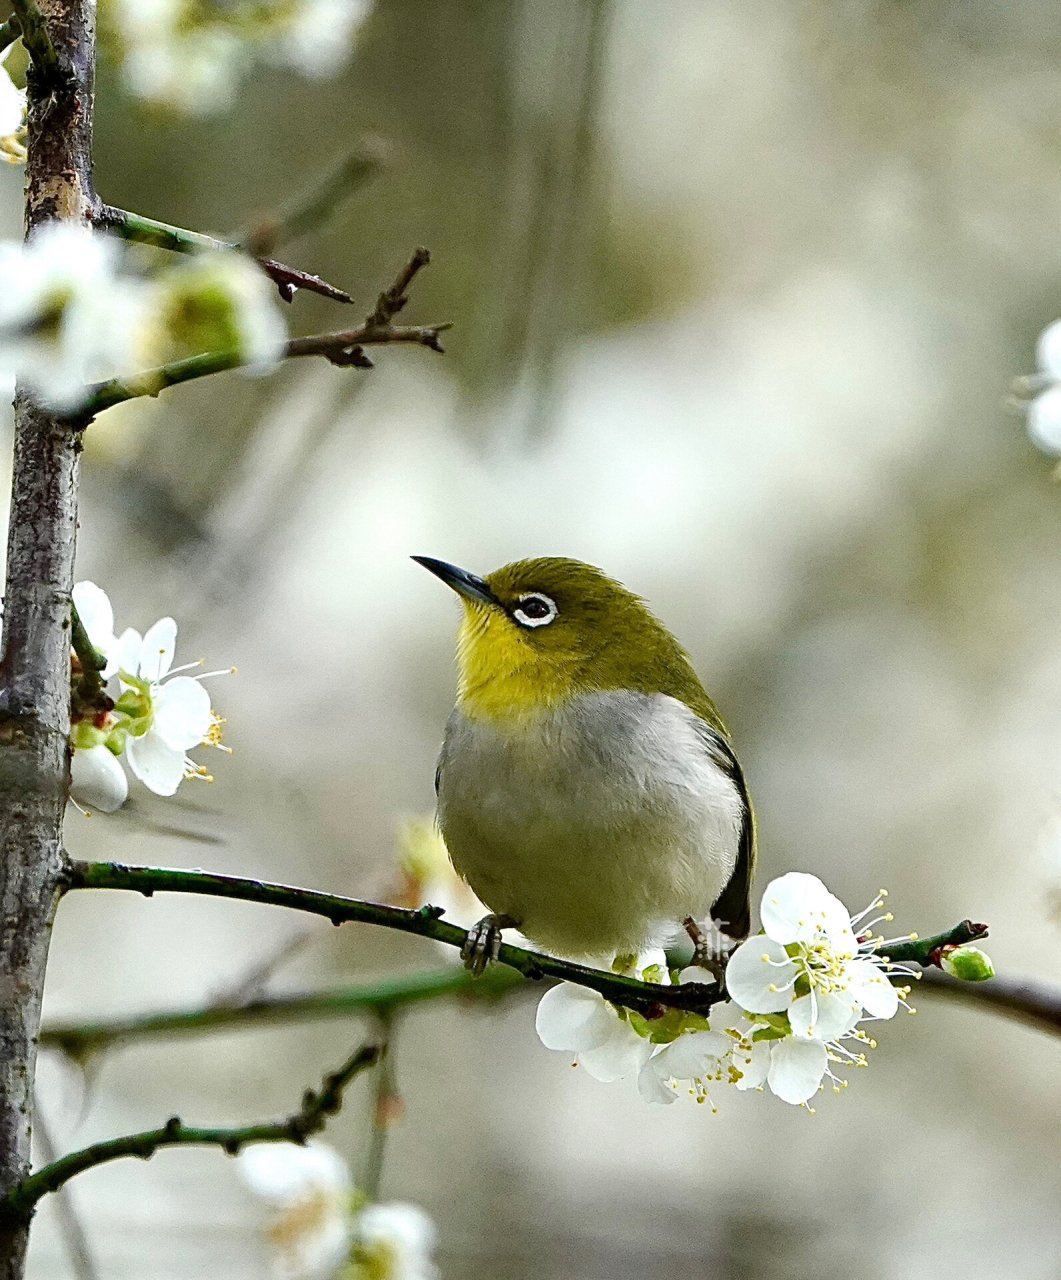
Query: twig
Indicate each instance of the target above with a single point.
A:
(81, 1261)
(694, 996)
(38, 41)
(161, 235)
(81, 1039)
(9, 31)
(1024, 999)
(312, 210)
(310, 1118)
(384, 1101)
(343, 348)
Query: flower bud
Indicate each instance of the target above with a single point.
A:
(970, 964)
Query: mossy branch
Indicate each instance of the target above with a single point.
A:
(311, 1117)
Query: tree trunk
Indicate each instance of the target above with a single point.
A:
(35, 668)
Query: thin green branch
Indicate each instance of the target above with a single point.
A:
(425, 923)
(310, 1118)
(9, 31)
(344, 348)
(138, 229)
(312, 210)
(35, 36)
(83, 1038)
(925, 951)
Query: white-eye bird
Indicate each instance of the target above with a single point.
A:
(587, 789)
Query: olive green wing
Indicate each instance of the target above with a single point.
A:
(732, 908)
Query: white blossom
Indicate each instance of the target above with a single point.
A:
(66, 317)
(219, 302)
(187, 57)
(604, 1039)
(169, 714)
(158, 714)
(311, 1195)
(810, 964)
(394, 1241)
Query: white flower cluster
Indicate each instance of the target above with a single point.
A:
(73, 313)
(12, 115)
(320, 1229)
(155, 718)
(798, 992)
(189, 55)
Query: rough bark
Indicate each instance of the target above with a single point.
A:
(35, 668)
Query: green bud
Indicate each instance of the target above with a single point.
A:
(970, 964)
(84, 735)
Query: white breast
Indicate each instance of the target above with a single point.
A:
(598, 826)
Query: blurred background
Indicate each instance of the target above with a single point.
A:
(738, 291)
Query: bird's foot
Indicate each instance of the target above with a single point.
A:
(711, 947)
(483, 943)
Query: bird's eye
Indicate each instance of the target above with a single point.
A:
(535, 610)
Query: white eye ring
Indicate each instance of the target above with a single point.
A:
(538, 620)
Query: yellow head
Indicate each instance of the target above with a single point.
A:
(538, 632)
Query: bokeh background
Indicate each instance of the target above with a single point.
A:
(738, 291)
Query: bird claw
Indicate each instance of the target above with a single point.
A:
(711, 947)
(483, 943)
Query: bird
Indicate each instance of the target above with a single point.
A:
(587, 788)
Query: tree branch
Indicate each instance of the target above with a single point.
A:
(344, 348)
(35, 666)
(1024, 999)
(9, 32)
(646, 997)
(138, 229)
(20, 1202)
(312, 209)
(83, 1038)
(33, 28)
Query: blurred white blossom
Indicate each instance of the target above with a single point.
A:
(218, 302)
(72, 313)
(393, 1241)
(66, 317)
(428, 877)
(157, 714)
(311, 1197)
(186, 56)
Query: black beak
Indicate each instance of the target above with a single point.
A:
(464, 583)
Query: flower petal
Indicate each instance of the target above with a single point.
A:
(693, 1055)
(156, 654)
(97, 779)
(623, 1054)
(797, 906)
(871, 988)
(796, 1068)
(158, 766)
(97, 617)
(652, 1083)
(283, 1173)
(759, 976)
(822, 1016)
(573, 1019)
(1044, 420)
(753, 1063)
(182, 713)
(127, 653)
